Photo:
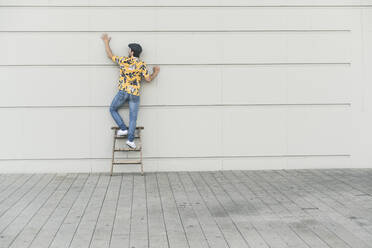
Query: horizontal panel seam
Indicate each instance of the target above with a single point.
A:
(191, 157)
(189, 6)
(348, 104)
(176, 64)
(183, 31)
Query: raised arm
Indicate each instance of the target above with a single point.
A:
(106, 39)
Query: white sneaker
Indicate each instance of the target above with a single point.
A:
(121, 132)
(131, 144)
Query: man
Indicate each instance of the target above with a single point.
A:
(131, 71)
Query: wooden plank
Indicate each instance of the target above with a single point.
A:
(194, 233)
(7, 181)
(227, 224)
(71, 222)
(294, 211)
(359, 179)
(138, 222)
(296, 208)
(11, 184)
(121, 231)
(125, 149)
(302, 230)
(242, 212)
(157, 233)
(84, 233)
(266, 218)
(323, 203)
(103, 231)
(39, 197)
(125, 137)
(338, 191)
(138, 127)
(15, 204)
(211, 228)
(328, 235)
(359, 186)
(329, 221)
(336, 195)
(174, 226)
(46, 234)
(43, 213)
(356, 198)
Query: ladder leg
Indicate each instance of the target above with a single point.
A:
(141, 162)
(139, 132)
(113, 154)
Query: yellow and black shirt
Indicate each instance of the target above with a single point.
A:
(131, 70)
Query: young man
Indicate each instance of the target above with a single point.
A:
(131, 70)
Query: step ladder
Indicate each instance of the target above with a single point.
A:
(126, 148)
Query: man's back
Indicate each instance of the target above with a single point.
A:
(131, 71)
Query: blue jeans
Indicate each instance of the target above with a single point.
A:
(120, 98)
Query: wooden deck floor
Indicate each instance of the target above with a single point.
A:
(283, 208)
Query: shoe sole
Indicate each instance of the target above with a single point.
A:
(131, 146)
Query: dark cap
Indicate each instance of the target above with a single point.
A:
(135, 47)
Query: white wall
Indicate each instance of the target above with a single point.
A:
(243, 84)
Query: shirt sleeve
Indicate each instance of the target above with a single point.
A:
(145, 72)
(118, 59)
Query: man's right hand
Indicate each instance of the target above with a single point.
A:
(105, 37)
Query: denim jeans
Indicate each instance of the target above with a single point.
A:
(120, 98)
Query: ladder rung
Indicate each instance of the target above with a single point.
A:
(118, 128)
(128, 162)
(125, 137)
(138, 148)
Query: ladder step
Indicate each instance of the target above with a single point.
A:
(118, 128)
(128, 162)
(138, 148)
(125, 137)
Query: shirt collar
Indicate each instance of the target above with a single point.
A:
(134, 58)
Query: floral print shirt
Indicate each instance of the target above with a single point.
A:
(131, 71)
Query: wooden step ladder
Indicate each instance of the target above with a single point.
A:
(126, 148)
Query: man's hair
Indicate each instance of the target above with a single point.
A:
(136, 48)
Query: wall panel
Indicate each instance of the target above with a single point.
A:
(243, 85)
